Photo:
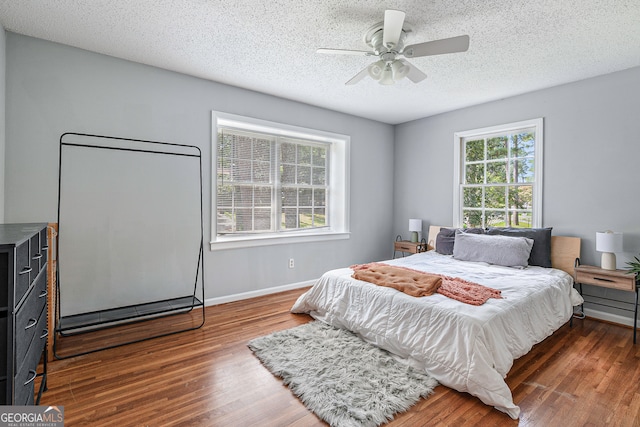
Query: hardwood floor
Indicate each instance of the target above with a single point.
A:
(587, 375)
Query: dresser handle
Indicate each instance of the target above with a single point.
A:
(25, 271)
(33, 323)
(603, 280)
(43, 294)
(38, 256)
(45, 247)
(45, 333)
(30, 380)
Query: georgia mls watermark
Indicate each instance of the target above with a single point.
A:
(31, 416)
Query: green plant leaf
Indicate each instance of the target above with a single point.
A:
(634, 266)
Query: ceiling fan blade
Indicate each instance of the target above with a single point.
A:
(345, 52)
(437, 47)
(361, 75)
(393, 22)
(414, 74)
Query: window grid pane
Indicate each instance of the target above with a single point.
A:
(489, 165)
(244, 182)
(246, 166)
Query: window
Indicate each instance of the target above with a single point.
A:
(498, 176)
(275, 183)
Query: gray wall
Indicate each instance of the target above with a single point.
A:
(52, 89)
(591, 152)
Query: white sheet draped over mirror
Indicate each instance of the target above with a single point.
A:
(130, 229)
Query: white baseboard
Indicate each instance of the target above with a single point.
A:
(258, 293)
(614, 318)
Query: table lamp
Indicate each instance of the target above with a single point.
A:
(415, 226)
(608, 242)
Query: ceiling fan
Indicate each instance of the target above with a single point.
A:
(387, 41)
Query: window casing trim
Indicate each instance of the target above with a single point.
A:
(338, 177)
(459, 137)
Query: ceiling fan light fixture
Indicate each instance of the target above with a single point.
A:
(375, 70)
(400, 70)
(387, 76)
(387, 41)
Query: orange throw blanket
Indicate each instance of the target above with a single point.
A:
(418, 283)
(411, 282)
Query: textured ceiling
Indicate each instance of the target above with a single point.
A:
(269, 46)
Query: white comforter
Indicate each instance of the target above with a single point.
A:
(468, 348)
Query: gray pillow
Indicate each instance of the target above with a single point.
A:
(446, 238)
(500, 250)
(541, 251)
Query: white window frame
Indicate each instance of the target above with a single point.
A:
(458, 140)
(337, 197)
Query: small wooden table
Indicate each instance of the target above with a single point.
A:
(614, 279)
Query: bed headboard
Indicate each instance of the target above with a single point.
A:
(564, 250)
(433, 233)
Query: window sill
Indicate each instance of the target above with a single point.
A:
(253, 241)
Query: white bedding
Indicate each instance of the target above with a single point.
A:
(465, 347)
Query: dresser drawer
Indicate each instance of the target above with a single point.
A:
(42, 330)
(3, 338)
(30, 396)
(38, 340)
(36, 348)
(24, 387)
(28, 317)
(5, 277)
(23, 271)
(36, 334)
(35, 253)
(26, 375)
(44, 248)
(410, 247)
(616, 279)
(3, 391)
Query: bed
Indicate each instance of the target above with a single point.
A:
(468, 348)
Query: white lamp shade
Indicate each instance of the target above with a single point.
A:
(608, 241)
(415, 225)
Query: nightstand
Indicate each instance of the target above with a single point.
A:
(405, 246)
(614, 279)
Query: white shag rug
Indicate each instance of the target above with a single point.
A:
(341, 378)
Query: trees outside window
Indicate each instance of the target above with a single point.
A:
(499, 176)
(275, 183)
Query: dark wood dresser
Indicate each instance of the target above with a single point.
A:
(23, 311)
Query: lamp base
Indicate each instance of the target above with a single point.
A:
(414, 237)
(608, 261)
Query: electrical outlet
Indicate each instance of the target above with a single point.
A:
(291, 263)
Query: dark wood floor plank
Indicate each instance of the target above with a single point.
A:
(588, 374)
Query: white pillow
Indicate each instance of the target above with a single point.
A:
(493, 249)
